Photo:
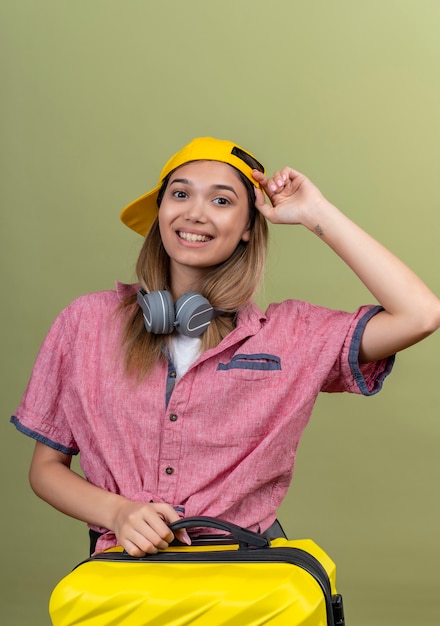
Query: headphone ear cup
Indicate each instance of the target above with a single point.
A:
(193, 314)
(158, 310)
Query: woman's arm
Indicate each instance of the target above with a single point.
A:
(411, 310)
(139, 527)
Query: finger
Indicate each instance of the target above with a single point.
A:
(149, 530)
(293, 176)
(278, 180)
(139, 547)
(268, 184)
(276, 184)
(142, 540)
(168, 515)
(183, 536)
(148, 536)
(157, 531)
(282, 177)
(164, 536)
(259, 176)
(132, 549)
(260, 202)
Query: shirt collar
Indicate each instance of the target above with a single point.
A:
(124, 290)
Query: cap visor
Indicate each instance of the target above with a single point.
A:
(141, 213)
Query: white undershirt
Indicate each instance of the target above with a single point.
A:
(184, 351)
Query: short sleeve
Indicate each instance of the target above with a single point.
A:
(42, 411)
(347, 374)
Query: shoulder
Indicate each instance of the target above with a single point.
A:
(298, 311)
(106, 300)
(316, 321)
(287, 319)
(282, 312)
(89, 307)
(309, 311)
(93, 310)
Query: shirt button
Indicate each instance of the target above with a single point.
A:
(173, 374)
(173, 417)
(169, 471)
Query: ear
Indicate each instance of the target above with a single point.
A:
(246, 234)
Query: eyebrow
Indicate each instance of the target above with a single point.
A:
(185, 181)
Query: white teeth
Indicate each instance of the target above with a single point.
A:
(193, 237)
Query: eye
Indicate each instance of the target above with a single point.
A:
(179, 193)
(221, 201)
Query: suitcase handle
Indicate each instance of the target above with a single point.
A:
(242, 536)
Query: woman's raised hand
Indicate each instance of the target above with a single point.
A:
(292, 196)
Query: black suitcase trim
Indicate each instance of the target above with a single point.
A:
(252, 548)
(292, 556)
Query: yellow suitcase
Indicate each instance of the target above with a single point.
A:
(250, 582)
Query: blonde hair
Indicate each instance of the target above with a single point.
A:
(228, 286)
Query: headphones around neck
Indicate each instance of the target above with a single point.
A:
(190, 316)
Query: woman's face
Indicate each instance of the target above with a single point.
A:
(203, 216)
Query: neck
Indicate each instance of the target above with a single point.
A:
(184, 279)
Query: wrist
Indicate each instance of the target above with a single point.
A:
(319, 217)
(113, 508)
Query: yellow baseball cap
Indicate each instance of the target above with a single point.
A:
(141, 213)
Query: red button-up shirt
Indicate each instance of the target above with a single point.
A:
(222, 440)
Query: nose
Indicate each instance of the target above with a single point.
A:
(195, 210)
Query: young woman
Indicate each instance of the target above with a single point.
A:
(181, 395)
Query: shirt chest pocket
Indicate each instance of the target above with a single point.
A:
(251, 367)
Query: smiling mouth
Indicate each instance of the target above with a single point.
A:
(192, 237)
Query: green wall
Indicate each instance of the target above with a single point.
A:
(96, 94)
